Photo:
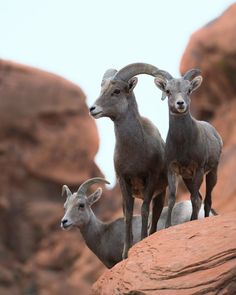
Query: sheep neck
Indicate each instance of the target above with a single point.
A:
(182, 129)
(92, 233)
(128, 127)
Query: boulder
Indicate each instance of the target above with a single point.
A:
(45, 127)
(197, 257)
(47, 139)
(213, 50)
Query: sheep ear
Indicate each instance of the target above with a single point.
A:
(161, 84)
(163, 97)
(94, 197)
(196, 82)
(132, 83)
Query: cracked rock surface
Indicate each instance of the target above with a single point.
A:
(198, 257)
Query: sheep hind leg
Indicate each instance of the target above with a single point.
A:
(157, 206)
(211, 179)
(189, 187)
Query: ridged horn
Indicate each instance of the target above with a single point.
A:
(84, 186)
(66, 189)
(110, 73)
(190, 74)
(164, 74)
(134, 69)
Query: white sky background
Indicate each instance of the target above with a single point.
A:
(80, 40)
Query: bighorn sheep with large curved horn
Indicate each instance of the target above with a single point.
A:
(139, 150)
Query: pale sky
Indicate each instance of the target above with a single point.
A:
(80, 40)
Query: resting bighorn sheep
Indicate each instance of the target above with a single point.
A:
(139, 150)
(193, 147)
(106, 240)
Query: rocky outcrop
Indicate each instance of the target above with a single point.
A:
(47, 139)
(198, 257)
(45, 128)
(213, 50)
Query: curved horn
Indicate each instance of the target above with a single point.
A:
(135, 69)
(66, 189)
(190, 74)
(110, 73)
(164, 74)
(84, 186)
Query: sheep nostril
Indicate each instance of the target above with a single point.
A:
(64, 221)
(92, 108)
(180, 103)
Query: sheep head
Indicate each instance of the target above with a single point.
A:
(178, 91)
(117, 88)
(78, 205)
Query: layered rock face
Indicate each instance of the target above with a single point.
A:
(46, 139)
(45, 127)
(197, 257)
(213, 50)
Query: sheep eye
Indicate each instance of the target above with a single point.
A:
(81, 206)
(189, 91)
(168, 91)
(116, 91)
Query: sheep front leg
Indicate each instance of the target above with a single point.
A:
(148, 194)
(157, 206)
(128, 206)
(195, 199)
(193, 186)
(172, 183)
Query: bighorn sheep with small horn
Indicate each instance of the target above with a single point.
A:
(193, 147)
(106, 240)
(139, 150)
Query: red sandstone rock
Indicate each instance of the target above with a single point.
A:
(213, 50)
(198, 257)
(45, 120)
(47, 139)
